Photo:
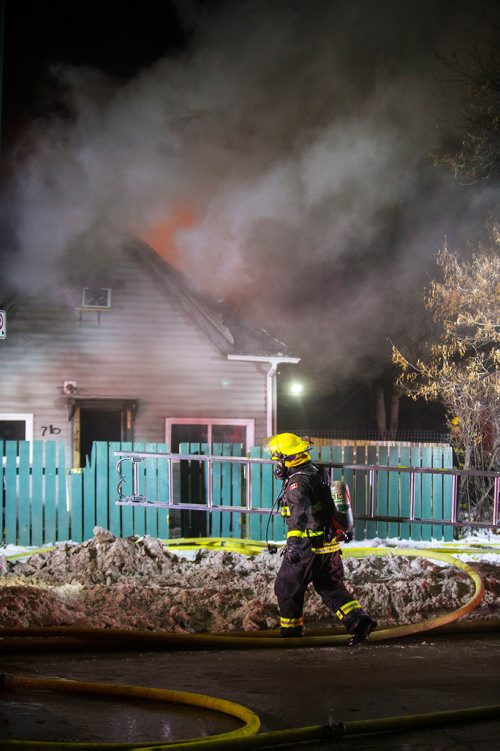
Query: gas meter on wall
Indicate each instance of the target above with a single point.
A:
(3, 324)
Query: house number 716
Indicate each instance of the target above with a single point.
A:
(50, 429)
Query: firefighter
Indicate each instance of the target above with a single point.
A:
(318, 517)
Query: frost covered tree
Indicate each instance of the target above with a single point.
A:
(461, 368)
(471, 85)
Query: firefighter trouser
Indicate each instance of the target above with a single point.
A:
(326, 573)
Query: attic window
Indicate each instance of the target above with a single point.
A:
(96, 297)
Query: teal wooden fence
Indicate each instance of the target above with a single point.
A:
(43, 501)
(390, 494)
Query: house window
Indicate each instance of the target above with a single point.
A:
(96, 297)
(189, 430)
(16, 427)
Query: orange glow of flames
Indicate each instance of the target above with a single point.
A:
(162, 235)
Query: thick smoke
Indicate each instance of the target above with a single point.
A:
(298, 137)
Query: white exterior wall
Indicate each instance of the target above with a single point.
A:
(146, 347)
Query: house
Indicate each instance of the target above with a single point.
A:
(127, 350)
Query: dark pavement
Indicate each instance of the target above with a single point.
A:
(286, 688)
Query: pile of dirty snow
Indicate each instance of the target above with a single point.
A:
(136, 583)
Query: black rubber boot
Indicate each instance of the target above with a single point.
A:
(288, 633)
(362, 630)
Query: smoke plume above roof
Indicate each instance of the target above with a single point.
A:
(297, 136)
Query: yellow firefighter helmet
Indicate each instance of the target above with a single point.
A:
(288, 447)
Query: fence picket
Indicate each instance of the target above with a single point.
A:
(193, 490)
(50, 499)
(236, 489)
(162, 491)
(89, 516)
(127, 488)
(62, 495)
(101, 469)
(447, 462)
(372, 458)
(426, 493)
(114, 511)
(393, 501)
(150, 491)
(278, 524)
(24, 500)
(359, 500)
(336, 457)
(10, 477)
(348, 476)
(257, 522)
(215, 516)
(437, 494)
(276, 528)
(227, 519)
(139, 511)
(404, 491)
(382, 491)
(416, 461)
(76, 504)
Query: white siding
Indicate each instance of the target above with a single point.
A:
(146, 347)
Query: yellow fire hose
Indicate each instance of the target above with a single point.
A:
(124, 638)
(250, 719)
(252, 547)
(243, 738)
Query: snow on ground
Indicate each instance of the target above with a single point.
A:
(136, 583)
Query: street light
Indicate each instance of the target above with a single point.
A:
(296, 388)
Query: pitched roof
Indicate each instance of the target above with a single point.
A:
(227, 329)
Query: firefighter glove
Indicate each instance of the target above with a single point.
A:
(293, 552)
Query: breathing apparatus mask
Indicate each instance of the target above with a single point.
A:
(280, 471)
(287, 450)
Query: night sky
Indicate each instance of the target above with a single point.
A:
(115, 37)
(279, 152)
